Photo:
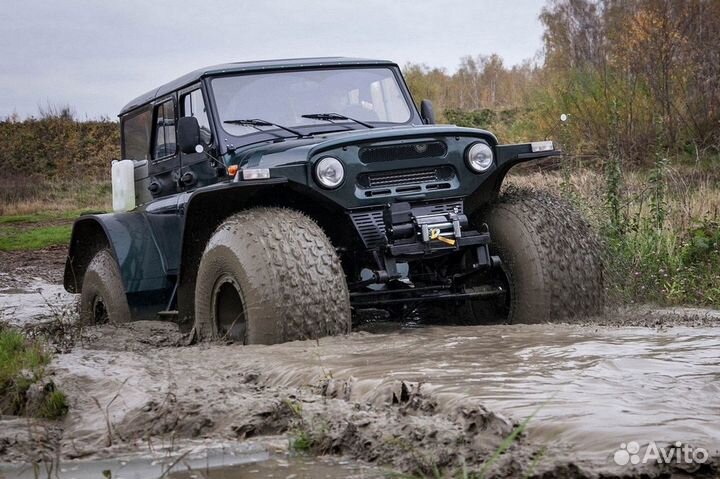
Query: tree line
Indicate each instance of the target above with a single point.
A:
(633, 76)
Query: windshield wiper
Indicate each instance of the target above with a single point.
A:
(257, 122)
(331, 117)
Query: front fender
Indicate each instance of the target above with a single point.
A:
(204, 210)
(506, 157)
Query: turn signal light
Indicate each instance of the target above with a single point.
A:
(537, 146)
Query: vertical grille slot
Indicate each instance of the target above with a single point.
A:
(370, 226)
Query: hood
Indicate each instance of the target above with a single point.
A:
(292, 151)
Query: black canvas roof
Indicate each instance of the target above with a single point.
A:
(196, 75)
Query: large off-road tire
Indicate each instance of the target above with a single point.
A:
(102, 298)
(551, 257)
(270, 275)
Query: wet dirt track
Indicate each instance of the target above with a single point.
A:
(409, 398)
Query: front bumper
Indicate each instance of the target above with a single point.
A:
(407, 230)
(419, 234)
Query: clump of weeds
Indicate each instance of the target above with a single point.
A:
(24, 387)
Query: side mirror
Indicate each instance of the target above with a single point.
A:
(426, 112)
(188, 134)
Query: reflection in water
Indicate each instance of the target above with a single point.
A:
(211, 461)
(295, 467)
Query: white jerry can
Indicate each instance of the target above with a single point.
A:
(123, 185)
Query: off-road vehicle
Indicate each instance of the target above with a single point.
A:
(276, 200)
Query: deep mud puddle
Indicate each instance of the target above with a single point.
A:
(588, 388)
(25, 301)
(411, 398)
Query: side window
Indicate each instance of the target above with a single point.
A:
(194, 105)
(164, 130)
(136, 131)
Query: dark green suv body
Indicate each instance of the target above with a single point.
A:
(313, 162)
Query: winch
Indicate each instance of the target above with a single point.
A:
(420, 229)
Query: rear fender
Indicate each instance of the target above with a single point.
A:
(145, 247)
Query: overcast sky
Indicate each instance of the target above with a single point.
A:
(97, 55)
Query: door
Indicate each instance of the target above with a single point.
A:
(164, 160)
(198, 169)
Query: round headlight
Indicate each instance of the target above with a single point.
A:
(329, 172)
(479, 157)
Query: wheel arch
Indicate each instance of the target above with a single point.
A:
(133, 242)
(87, 238)
(207, 209)
(507, 157)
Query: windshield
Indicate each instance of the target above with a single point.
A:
(365, 94)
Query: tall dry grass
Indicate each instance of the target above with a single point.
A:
(664, 246)
(27, 196)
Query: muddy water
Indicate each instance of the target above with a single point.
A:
(238, 461)
(589, 388)
(294, 467)
(24, 301)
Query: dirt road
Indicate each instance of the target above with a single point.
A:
(418, 400)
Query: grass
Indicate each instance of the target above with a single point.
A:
(22, 364)
(660, 227)
(24, 239)
(301, 442)
(23, 197)
(55, 406)
(33, 231)
(37, 215)
(40, 217)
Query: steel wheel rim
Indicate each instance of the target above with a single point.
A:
(228, 310)
(99, 310)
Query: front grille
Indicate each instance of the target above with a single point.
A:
(405, 177)
(411, 151)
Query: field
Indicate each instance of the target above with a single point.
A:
(140, 392)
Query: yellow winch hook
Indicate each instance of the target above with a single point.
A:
(435, 234)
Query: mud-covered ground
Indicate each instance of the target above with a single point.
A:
(506, 400)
